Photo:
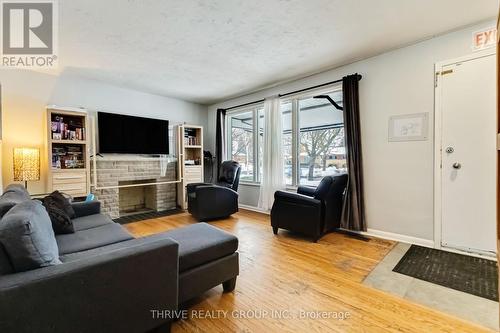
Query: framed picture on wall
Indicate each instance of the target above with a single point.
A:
(409, 127)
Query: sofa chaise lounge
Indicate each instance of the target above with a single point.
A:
(108, 280)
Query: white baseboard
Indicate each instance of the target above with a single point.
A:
(254, 209)
(399, 237)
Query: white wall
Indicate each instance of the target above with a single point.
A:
(25, 94)
(398, 175)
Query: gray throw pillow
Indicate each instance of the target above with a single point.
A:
(27, 236)
(17, 188)
(13, 194)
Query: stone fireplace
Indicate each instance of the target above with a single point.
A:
(127, 178)
(137, 199)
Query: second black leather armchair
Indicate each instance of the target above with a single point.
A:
(311, 211)
(212, 201)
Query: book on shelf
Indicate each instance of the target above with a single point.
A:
(67, 162)
(190, 137)
(191, 141)
(67, 157)
(70, 130)
(192, 162)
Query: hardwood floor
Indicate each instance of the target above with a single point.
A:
(289, 273)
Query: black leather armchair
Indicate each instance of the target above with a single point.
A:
(311, 211)
(212, 201)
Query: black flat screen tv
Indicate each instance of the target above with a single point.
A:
(123, 134)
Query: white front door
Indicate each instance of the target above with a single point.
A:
(467, 106)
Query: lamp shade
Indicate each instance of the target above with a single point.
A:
(26, 164)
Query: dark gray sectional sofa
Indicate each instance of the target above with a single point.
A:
(109, 281)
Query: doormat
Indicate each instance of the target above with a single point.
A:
(146, 216)
(468, 274)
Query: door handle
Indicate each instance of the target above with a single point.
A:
(457, 165)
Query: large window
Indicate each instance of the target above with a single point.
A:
(245, 131)
(313, 139)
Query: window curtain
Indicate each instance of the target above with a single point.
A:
(220, 139)
(272, 155)
(353, 214)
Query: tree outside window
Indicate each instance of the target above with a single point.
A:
(242, 144)
(321, 150)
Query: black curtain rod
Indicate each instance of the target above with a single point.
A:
(242, 105)
(292, 92)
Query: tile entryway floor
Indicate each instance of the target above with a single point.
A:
(466, 306)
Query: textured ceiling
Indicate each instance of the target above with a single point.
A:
(206, 51)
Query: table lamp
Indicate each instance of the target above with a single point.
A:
(26, 165)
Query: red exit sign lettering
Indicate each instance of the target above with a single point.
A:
(484, 39)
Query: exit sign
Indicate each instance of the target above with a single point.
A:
(484, 39)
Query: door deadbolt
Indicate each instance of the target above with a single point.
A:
(449, 150)
(457, 165)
